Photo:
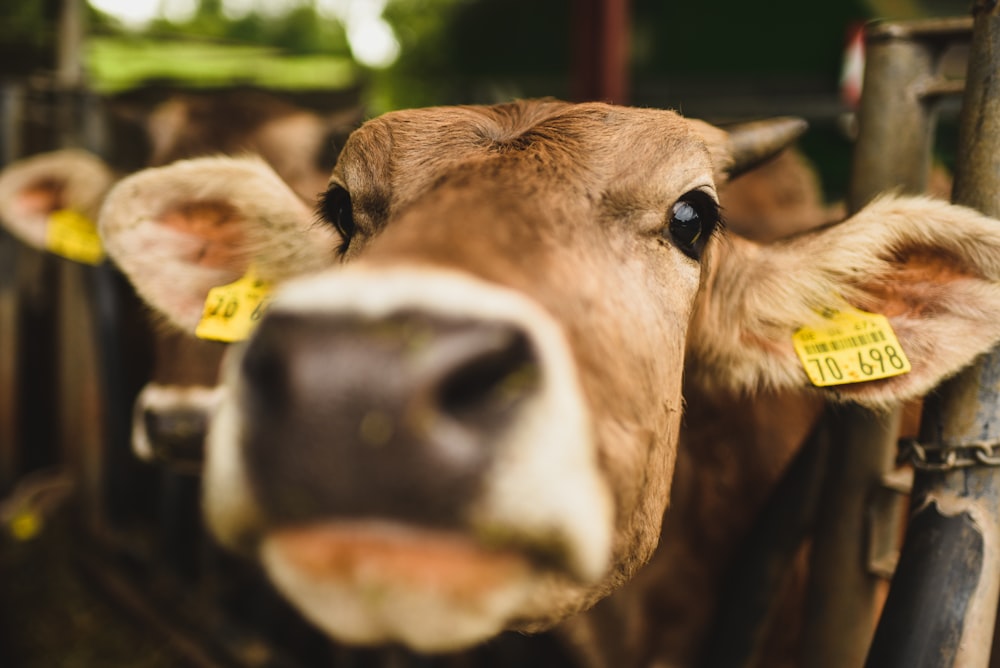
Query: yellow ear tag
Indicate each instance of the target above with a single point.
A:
(73, 236)
(25, 525)
(232, 311)
(852, 346)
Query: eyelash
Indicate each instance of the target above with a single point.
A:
(335, 208)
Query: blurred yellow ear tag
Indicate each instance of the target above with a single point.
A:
(25, 525)
(851, 346)
(73, 236)
(232, 311)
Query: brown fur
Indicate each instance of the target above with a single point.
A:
(566, 204)
(293, 140)
(289, 138)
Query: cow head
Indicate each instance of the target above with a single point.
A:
(462, 416)
(299, 144)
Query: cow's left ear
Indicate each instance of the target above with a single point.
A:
(932, 268)
(34, 188)
(179, 231)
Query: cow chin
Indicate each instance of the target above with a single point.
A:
(368, 583)
(530, 542)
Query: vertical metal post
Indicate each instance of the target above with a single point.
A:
(11, 101)
(9, 413)
(942, 606)
(69, 71)
(896, 125)
(601, 45)
(11, 121)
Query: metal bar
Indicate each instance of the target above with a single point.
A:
(11, 110)
(892, 152)
(11, 121)
(600, 50)
(895, 129)
(843, 592)
(9, 399)
(942, 607)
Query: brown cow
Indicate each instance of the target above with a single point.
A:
(473, 425)
(299, 144)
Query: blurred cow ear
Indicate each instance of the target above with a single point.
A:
(33, 188)
(931, 268)
(179, 231)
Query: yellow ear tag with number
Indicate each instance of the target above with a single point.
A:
(73, 236)
(852, 346)
(232, 311)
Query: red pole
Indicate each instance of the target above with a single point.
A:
(600, 50)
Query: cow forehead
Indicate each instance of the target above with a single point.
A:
(602, 143)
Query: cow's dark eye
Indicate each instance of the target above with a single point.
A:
(335, 208)
(693, 218)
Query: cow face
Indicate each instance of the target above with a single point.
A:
(471, 425)
(171, 411)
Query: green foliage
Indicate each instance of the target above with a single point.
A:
(299, 31)
(116, 63)
(423, 74)
(299, 49)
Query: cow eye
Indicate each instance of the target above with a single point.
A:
(693, 218)
(335, 208)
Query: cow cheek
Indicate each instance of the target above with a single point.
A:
(631, 374)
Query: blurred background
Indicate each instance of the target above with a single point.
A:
(721, 60)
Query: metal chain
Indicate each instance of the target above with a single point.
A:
(947, 457)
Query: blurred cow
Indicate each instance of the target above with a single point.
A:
(299, 144)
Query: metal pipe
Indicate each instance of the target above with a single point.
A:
(600, 50)
(941, 610)
(892, 152)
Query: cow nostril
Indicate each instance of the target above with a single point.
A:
(483, 386)
(176, 436)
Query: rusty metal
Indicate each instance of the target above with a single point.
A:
(896, 122)
(946, 587)
(885, 512)
(942, 607)
(949, 456)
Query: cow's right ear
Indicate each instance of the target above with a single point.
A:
(179, 231)
(932, 269)
(33, 188)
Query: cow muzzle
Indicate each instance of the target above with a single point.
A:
(410, 444)
(169, 424)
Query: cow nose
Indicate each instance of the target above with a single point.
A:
(176, 436)
(395, 418)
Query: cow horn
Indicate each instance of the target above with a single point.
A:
(752, 143)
